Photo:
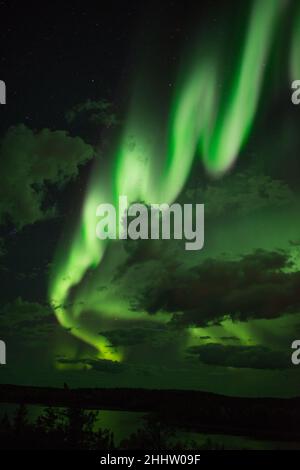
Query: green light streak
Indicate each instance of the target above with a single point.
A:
(134, 167)
(190, 118)
(233, 124)
(295, 56)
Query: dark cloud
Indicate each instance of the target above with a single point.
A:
(258, 285)
(136, 335)
(253, 357)
(2, 247)
(229, 338)
(28, 161)
(141, 253)
(242, 193)
(97, 112)
(28, 322)
(98, 365)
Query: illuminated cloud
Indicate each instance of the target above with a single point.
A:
(31, 160)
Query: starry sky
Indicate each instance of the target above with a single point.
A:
(86, 81)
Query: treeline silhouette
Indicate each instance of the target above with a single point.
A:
(76, 429)
(274, 419)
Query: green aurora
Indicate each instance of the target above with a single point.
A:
(206, 121)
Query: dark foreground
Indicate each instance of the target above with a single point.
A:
(262, 418)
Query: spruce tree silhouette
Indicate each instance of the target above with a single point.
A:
(5, 424)
(79, 427)
(20, 422)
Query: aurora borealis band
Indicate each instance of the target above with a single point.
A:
(211, 115)
(181, 326)
(161, 102)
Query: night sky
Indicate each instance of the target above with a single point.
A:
(103, 99)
